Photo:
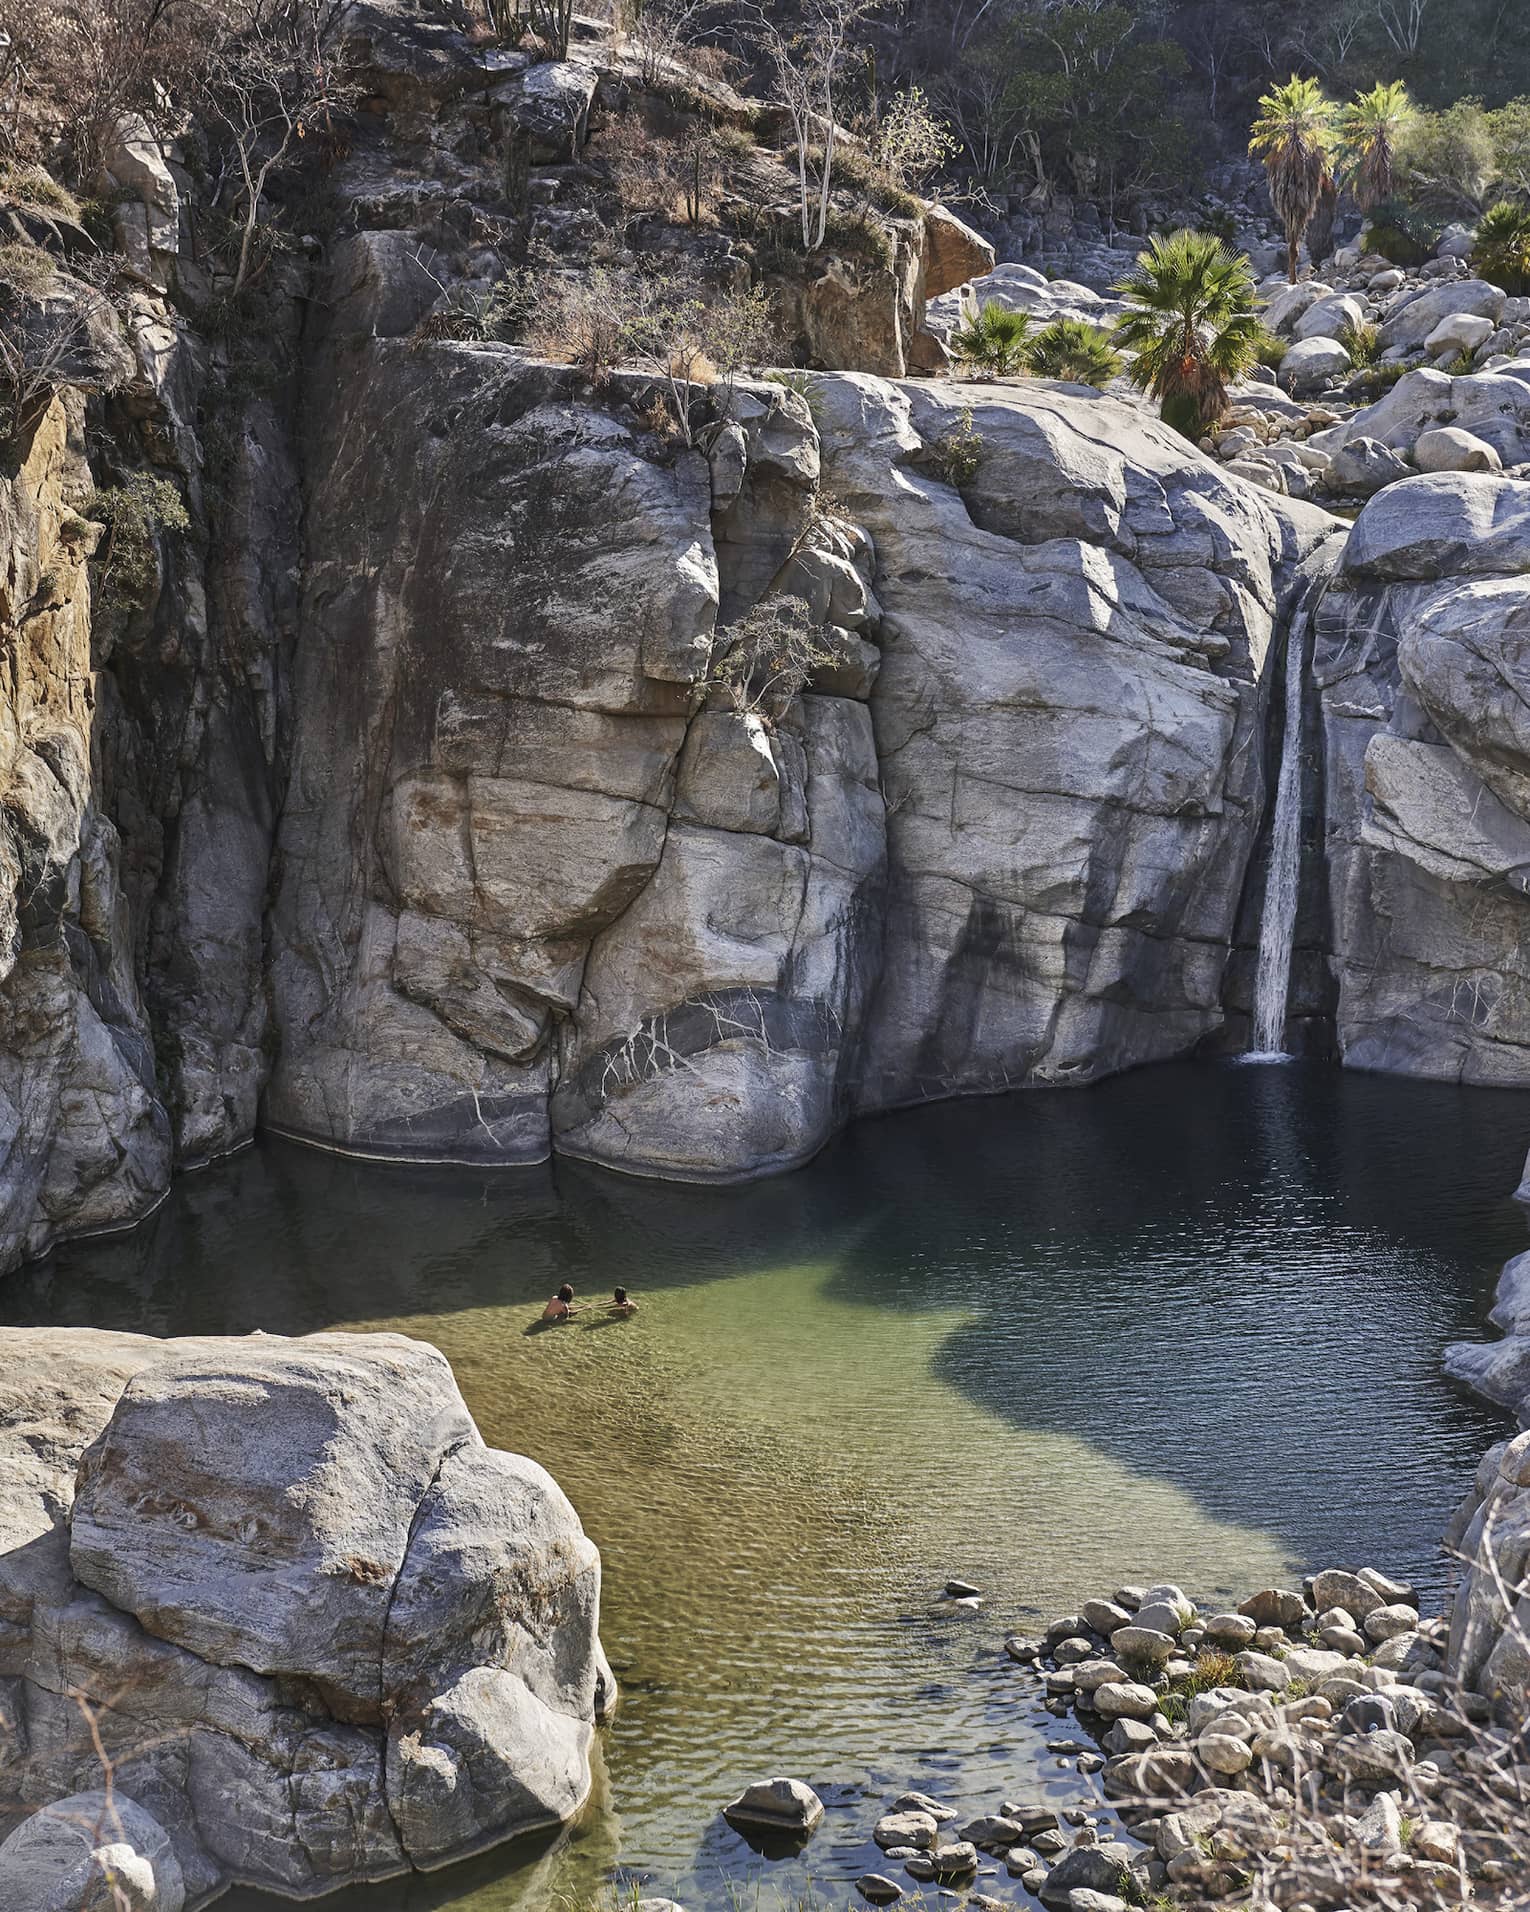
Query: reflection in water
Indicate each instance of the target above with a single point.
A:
(1186, 1323)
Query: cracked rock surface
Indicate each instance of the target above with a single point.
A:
(325, 1632)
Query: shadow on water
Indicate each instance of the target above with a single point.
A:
(1185, 1322)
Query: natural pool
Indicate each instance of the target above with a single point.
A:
(1185, 1324)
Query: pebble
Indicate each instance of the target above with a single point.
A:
(993, 1834)
(962, 1590)
(1048, 1843)
(1020, 1647)
(1075, 1648)
(1231, 1631)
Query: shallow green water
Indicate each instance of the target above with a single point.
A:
(1186, 1324)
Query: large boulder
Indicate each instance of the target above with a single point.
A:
(1420, 659)
(1493, 406)
(340, 1637)
(1408, 328)
(953, 252)
(92, 1852)
(1308, 365)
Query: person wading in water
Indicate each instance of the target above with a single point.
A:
(561, 1306)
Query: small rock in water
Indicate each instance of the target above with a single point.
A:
(877, 1890)
(778, 1805)
(920, 1867)
(1069, 1651)
(962, 1590)
(1084, 1898)
(1019, 1647)
(922, 1802)
(1090, 1762)
(1130, 1736)
(1034, 1819)
(954, 1861)
(1020, 1860)
(1396, 1593)
(993, 1834)
(1125, 1699)
(1049, 1843)
(905, 1829)
(658, 1905)
(1130, 1597)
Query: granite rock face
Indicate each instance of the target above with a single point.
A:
(326, 1634)
(1421, 660)
(1067, 715)
(1489, 1647)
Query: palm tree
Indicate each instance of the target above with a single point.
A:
(1294, 136)
(1193, 324)
(1369, 130)
(1074, 350)
(1501, 247)
(991, 343)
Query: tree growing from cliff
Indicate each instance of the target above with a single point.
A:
(767, 657)
(1369, 129)
(809, 64)
(275, 82)
(1192, 324)
(1294, 135)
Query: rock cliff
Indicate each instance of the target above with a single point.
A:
(407, 804)
(317, 1629)
(1421, 666)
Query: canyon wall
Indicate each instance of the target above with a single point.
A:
(404, 810)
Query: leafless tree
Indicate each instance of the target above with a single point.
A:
(808, 65)
(275, 81)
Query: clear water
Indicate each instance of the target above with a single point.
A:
(1184, 1324)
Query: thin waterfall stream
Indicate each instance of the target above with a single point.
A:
(1282, 883)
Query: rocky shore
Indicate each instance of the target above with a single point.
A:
(1320, 1747)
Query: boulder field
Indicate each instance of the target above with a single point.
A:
(272, 1613)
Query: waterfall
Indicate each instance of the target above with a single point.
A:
(1282, 883)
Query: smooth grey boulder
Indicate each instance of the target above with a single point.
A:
(91, 1852)
(1363, 466)
(1492, 406)
(1312, 362)
(345, 1638)
(1448, 448)
(779, 1804)
(1407, 328)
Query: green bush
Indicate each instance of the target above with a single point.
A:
(1074, 350)
(993, 342)
(1363, 344)
(1402, 233)
(1270, 349)
(127, 561)
(1501, 247)
(957, 454)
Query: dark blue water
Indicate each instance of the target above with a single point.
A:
(1184, 1324)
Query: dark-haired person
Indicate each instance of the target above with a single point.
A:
(561, 1306)
(621, 1305)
